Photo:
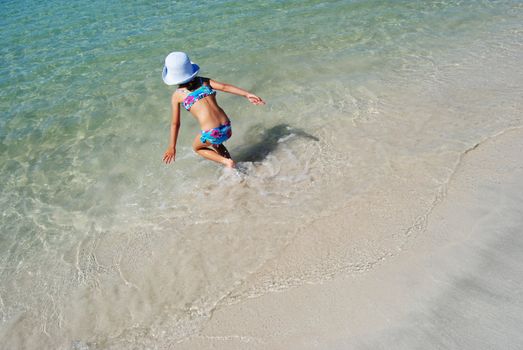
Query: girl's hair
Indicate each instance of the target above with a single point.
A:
(192, 85)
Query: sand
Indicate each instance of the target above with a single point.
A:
(457, 285)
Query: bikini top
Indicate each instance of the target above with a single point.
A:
(196, 95)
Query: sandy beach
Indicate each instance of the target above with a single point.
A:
(457, 285)
(377, 204)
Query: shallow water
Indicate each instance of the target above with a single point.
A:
(370, 107)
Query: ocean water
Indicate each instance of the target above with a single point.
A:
(370, 107)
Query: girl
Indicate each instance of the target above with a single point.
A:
(197, 95)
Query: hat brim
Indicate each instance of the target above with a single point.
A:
(169, 79)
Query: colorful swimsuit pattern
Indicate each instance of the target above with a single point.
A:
(196, 95)
(218, 135)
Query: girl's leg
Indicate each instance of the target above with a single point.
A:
(209, 151)
(222, 151)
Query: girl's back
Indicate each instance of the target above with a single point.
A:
(199, 98)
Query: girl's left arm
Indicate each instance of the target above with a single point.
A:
(216, 85)
(170, 154)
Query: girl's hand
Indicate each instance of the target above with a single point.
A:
(169, 155)
(255, 100)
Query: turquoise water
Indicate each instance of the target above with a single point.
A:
(90, 216)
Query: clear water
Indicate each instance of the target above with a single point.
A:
(370, 106)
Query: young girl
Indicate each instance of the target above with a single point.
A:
(198, 96)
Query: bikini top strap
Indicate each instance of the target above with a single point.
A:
(207, 82)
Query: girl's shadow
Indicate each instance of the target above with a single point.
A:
(266, 141)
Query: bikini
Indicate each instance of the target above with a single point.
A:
(215, 136)
(196, 95)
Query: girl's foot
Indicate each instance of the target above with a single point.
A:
(229, 163)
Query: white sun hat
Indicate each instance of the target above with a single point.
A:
(178, 69)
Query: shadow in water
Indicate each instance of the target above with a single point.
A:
(265, 141)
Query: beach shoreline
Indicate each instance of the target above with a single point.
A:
(454, 286)
(350, 222)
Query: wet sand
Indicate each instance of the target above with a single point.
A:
(455, 285)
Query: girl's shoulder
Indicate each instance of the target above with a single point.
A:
(199, 81)
(178, 95)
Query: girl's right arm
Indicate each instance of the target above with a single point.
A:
(170, 154)
(236, 91)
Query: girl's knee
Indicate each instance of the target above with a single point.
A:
(198, 146)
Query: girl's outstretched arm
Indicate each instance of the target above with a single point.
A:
(236, 91)
(170, 154)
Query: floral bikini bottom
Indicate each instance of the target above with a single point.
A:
(217, 136)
